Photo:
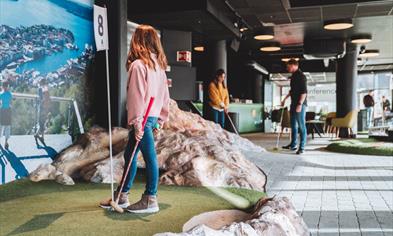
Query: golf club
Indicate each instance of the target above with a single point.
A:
(230, 121)
(115, 204)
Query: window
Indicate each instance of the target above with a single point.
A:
(381, 83)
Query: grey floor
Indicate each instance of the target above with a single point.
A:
(337, 194)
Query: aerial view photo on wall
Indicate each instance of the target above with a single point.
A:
(44, 56)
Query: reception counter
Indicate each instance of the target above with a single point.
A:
(250, 116)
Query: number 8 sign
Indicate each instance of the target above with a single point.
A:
(100, 28)
(101, 38)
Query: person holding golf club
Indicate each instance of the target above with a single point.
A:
(298, 94)
(147, 80)
(218, 98)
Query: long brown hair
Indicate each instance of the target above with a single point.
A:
(145, 41)
(219, 72)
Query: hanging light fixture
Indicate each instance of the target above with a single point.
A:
(338, 24)
(361, 38)
(369, 53)
(244, 28)
(286, 59)
(271, 46)
(199, 48)
(266, 33)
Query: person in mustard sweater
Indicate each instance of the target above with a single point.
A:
(218, 98)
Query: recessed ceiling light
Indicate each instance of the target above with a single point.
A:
(369, 53)
(243, 29)
(361, 38)
(286, 59)
(199, 48)
(263, 37)
(271, 47)
(266, 33)
(339, 24)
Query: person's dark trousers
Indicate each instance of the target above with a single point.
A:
(298, 123)
(218, 117)
(146, 145)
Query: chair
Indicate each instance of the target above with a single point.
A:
(328, 122)
(276, 115)
(310, 115)
(348, 121)
(286, 120)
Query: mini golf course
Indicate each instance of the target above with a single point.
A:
(363, 146)
(48, 208)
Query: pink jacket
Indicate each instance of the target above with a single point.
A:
(142, 84)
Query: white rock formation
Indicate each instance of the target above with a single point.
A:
(276, 217)
(90, 148)
(216, 219)
(191, 150)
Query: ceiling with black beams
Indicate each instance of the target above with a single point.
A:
(294, 20)
(210, 18)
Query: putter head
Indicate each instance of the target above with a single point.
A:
(116, 207)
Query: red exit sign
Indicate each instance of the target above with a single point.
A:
(183, 56)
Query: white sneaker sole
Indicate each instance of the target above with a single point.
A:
(124, 205)
(148, 210)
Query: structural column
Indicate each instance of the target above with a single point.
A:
(215, 58)
(117, 27)
(217, 51)
(258, 84)
(346, 77)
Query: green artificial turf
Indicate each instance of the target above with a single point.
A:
(48, 208)
(364, 146)
(362, 132)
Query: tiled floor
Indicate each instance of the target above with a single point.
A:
(337, 194)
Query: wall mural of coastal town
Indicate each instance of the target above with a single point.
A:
(46, 47)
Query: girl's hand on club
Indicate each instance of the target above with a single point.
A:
(138, 135)
(156, 131)
(156, 128)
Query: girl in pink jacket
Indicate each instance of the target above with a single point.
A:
(146, 66)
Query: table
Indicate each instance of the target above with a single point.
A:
(315, 126)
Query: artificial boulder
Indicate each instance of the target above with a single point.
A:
(89, 149)
(191, 151)
(216, 219)
(270, 217)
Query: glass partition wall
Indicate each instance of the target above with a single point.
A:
(381, 83)
(322, 89)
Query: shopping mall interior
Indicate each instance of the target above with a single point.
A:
(60, 94)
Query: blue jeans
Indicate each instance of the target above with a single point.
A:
(370, 111)
(298, 122)
(218, 117)
(146, 145)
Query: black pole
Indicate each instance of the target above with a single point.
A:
(257, 80)
(117, 27)
(346, 78)
(215, 58)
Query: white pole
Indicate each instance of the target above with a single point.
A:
(109, 122)
(101, 39)
(78, 117)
